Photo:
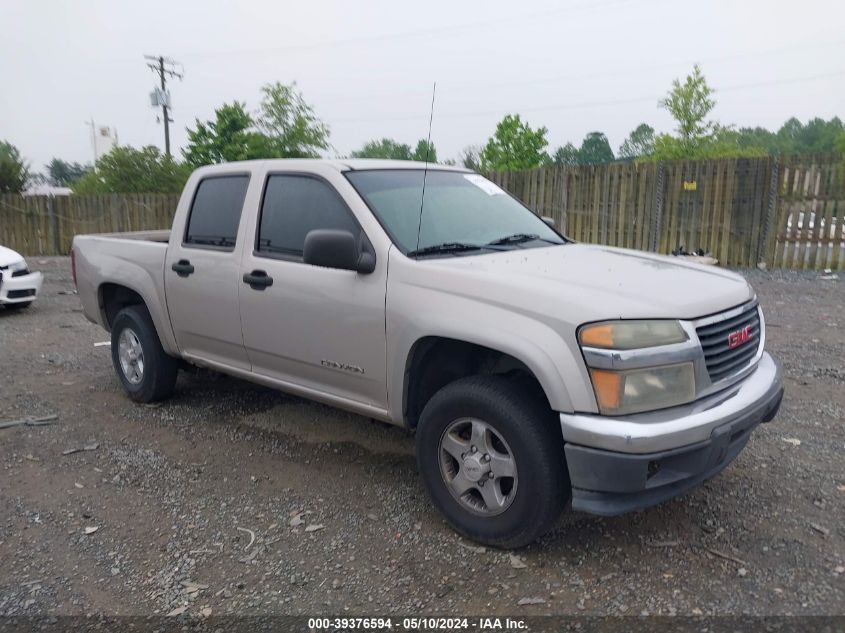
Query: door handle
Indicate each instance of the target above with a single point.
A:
(258, 279)
(183, 268)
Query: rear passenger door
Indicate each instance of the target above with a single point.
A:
(201, 274)
(320, 329)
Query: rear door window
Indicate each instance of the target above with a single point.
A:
(216, 212)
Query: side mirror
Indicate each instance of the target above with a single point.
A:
(548, 220)
(338, 249)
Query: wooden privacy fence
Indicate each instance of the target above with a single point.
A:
(787, 212)
(44, 225)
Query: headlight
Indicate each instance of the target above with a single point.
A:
(624, 335)
(631, 383)
(634, 390)
(20, 265)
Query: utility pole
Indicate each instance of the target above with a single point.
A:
(165, 68)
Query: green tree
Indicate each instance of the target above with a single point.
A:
(839, 145)
(63, 174)
(384, 148)
(514, 146)
(816, 137)
(819, 136)
(788, 137)
(566, 155)
(723, 143)
(595, 150)
(757, 137)
(425, 152)
(689, 103)
(471, 157)
(130, 170)
(14, 171)
(229, 137)
(291, 128)
(640, 142)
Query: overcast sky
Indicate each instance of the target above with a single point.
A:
(368, 66)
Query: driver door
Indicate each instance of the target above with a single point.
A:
(320, 329)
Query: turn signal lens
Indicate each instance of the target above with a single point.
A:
(649, 389)
(625, 335)
(608, 388)
(597, 335)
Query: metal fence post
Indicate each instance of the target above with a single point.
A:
(114, 207)
(657, 220)
(763, 246)
(54, 226)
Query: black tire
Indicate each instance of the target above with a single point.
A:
(18, 306)
(521, 416)
(158, 377)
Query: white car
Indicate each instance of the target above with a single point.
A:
(18, 285)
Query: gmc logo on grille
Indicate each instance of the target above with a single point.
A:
(735, 339)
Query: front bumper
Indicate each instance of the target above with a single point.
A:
(19, 289)
(617, 465)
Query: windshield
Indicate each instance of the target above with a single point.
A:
(463, 213)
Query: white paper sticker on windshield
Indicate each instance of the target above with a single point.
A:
(485, 185)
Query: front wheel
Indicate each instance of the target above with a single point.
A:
(147, 372)
(490, 454)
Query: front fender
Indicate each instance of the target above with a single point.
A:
(414, 313)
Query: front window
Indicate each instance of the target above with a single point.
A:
(461, 213)
(293, 207)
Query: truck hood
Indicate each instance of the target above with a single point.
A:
(585, 282)
(8, 256)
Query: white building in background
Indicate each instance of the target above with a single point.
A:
(46, 189)
(104, 139)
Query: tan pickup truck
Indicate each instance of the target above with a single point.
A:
(532, 369)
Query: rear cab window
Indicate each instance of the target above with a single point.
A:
(216, 212)
(294, 205)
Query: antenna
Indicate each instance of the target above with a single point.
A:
(425, 170)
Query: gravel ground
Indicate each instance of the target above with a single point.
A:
(235, 499)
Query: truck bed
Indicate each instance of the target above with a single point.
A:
(159, 235)
(134, 260)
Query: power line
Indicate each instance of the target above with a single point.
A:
(165, 68)
(402, 35)
(662, 66)
(625, 72)
(592, 104)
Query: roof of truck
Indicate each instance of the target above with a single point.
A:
(377, 163)
(341, 164)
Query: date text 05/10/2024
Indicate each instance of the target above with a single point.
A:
(481, 624)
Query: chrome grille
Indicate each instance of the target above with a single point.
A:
(723, 361)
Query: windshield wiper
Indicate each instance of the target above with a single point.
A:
(518, 238)
(446, 247)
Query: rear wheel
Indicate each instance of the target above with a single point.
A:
(147, 372)
(491, 457)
